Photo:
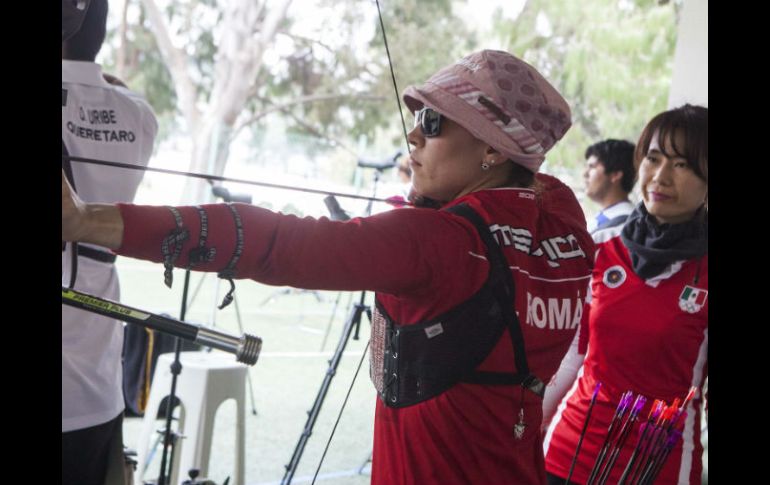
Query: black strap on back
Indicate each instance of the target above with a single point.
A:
(65, 162)
(96, 255)
(74, 258)
(505, 292)
(67, 167)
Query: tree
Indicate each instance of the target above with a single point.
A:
(611, 59)
(217, 69)
(246, 29)
(208, 60)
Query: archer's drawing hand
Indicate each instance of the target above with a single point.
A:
(72, 212)
(113, 80)
(100, 224)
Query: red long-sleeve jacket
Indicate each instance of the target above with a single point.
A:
(423, 262)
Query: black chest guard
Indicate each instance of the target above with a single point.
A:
(412, 363)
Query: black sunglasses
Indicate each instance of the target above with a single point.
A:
(429, 121)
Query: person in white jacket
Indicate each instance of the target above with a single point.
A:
(101, 120)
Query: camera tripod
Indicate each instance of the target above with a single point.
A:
(166, 434)
(169, 437)
(213, 324)
(352, 323)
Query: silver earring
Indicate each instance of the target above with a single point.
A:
(485, 166)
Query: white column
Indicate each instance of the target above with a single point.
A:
(690, 79)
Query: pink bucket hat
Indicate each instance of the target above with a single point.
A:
(500, 100)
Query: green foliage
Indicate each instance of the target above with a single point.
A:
(611, 60)
(292, 209)
(423, 37)
(144, 70)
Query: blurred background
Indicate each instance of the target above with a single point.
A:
(295, 92)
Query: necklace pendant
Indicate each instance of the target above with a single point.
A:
(520, 427)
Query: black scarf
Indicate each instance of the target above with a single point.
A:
(654, 246)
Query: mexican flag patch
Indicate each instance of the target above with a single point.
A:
(692, 299)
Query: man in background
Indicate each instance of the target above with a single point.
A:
(610, 177)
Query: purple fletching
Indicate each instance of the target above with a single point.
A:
(625, 401)
(673, 438)
(639, 404)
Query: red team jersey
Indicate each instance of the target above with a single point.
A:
(649, 337)
(423, 263)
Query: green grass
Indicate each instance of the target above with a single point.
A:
(286, 379)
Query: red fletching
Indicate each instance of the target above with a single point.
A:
(675, 404)
(689, 397)
(655, 410)
(668, 413)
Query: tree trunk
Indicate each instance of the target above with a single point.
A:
(211, 146)
(176, 61)
(248, 31)
(120, 69)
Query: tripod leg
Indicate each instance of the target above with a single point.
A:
(366, 462)
(161, 432)
(196, 290)
(274, 294)
(152, 452)
(176, 369)
(331, 319)
(350, 324)
(240, 328)
(216, 303)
